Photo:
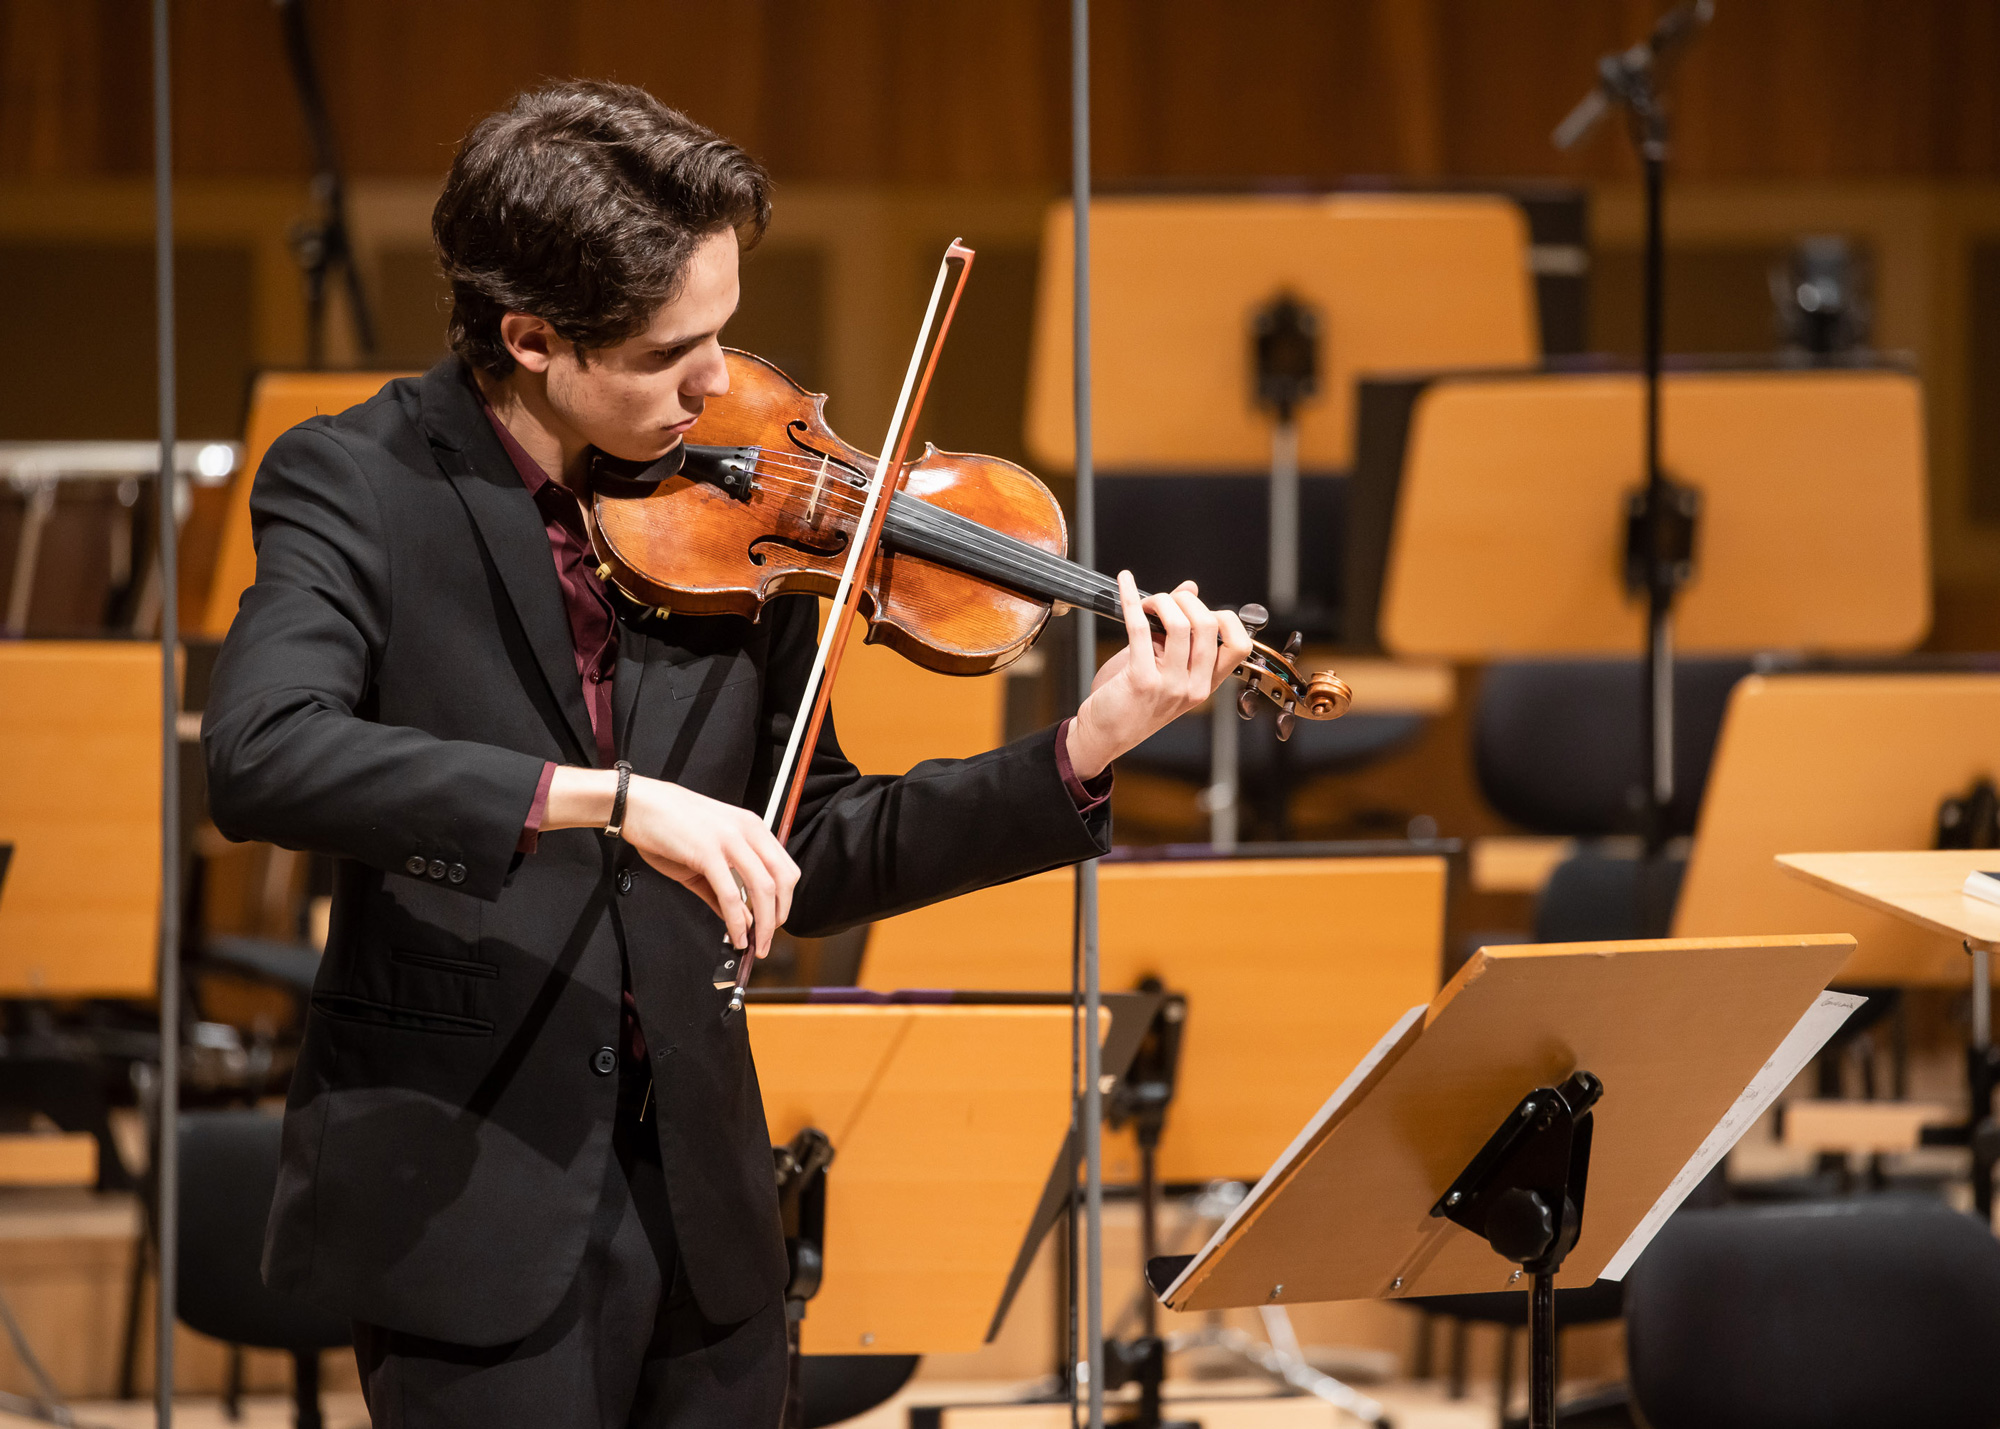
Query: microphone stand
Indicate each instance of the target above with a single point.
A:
(321, 242)
(1661, 516)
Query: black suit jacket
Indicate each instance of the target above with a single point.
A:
(388, 693)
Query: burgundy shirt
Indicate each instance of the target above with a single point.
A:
(593, 628)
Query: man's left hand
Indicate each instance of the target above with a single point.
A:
(1157, 677)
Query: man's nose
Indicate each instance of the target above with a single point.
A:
(711, 377)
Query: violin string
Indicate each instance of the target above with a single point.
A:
(1005, 556)
(999, 542)
(1084, 586)
(1073, 581)
(996, 545)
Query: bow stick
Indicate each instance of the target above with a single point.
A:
(786, 789)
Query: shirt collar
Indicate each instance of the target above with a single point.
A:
(529, 469)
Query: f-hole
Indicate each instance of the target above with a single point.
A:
(832, 547)
(797, 430)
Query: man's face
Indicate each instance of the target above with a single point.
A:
(636, 400)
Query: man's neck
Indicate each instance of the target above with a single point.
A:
(520, 401)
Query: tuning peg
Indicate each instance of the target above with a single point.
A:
(1246, 703)
(1285, 720)
(1253, 616)
(1294, 645)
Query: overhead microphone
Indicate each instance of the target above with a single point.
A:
(1618, 75)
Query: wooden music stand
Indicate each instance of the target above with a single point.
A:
(1400, 281)
(80, 803)
(945, 1119)
(1686, 1040)
(1922, 889)
(1813, 533)
(1280, 1003)
(1844, 761)
(1396, 281)
(279, 401)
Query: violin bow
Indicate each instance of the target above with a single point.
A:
(789, 786)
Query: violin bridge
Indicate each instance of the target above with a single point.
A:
(819, 484)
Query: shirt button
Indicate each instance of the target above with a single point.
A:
(604, 1061)
(624, 880)
(416, 865)
(437, 868)
(456, 873)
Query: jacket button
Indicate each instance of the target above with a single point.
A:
(415, 865)
(624, 880)
(437, 868)
(604, 1062)
(456, 873)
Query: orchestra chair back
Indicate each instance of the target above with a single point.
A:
(890, 713)
(228, 1174)
(1291, 968)
(80, 804)
(1834, 1315)
(1556, 747)
(279, 401)
(1836, 762)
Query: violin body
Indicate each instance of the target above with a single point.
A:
(763, 499)
(705, 541)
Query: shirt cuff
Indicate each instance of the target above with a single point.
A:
(531, 828)
(1089, 796)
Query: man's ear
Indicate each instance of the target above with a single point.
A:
(530, 340)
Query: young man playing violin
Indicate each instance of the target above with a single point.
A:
(523, 1150)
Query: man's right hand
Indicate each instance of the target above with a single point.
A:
(703, 844)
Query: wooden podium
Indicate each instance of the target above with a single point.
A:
(1676, 1045)
(1487, 513)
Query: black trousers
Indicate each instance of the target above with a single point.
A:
(626, 1349)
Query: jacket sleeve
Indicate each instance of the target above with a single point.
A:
(292, 758)
(869, 846)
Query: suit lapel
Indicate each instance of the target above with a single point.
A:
(634, 651)
(508, 521)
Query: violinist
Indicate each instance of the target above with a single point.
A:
(522, 1150)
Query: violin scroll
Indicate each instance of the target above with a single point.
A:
(1271, 673)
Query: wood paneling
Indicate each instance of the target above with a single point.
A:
(958, 92)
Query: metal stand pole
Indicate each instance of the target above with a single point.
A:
(166, 1154)
(1225, 790)
(1984, 1134)
(1542, 1351)
(1092, 1369)
(1284, 563)
(1659, 680)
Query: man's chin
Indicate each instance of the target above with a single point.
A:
(644, 453)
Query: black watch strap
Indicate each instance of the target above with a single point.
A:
(616, 826)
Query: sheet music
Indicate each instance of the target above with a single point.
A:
(1332, 1104)
(1821, 1021)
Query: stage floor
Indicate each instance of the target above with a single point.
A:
(1222, 1405)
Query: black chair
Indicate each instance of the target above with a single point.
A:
(1558, 748)
(836, 1388)
(1835, 1315)
(228, 1173)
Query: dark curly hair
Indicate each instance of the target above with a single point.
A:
(582, 203)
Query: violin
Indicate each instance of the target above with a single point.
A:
(765, 499)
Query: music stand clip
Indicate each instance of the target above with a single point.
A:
(1523, 1195)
